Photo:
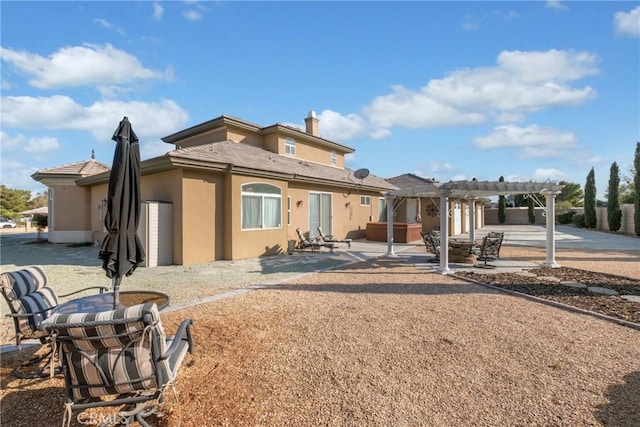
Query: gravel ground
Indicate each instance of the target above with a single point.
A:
(383, 343)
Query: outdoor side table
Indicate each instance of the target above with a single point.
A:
(104, 302)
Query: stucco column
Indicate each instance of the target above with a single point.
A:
(551, 231)
(472, 220)
(444, 234)
(389, 200)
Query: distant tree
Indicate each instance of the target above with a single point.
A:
(590, 220)
(614, 213)
(531, 211)
(570, 196)
(636, 186)
(38, 201)
(627, 188)
(502, 206)
(12, 201)
(41, 222)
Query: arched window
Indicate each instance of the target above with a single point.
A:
(289, 147)
(261, 206)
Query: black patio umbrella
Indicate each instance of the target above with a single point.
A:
(121, 250)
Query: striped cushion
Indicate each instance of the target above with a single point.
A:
(111, 352)
(27, 291)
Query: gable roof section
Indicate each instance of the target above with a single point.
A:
(409, 180)
(72, 170)
(250, 160)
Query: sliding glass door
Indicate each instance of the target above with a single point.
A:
(320, 208)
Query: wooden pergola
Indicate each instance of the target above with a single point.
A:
(471, 190)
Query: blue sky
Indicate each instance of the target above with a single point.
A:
(446, 90)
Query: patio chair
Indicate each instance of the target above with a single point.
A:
(332, 239)
(500, 235)
(489, 250)
(30, 300)
(119, 358)
(305, 243)
(432, 243)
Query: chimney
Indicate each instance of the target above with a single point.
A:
(312, 123)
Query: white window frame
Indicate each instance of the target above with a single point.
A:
(290, 147)
(365, 200)
(288, 210)
(334, 157)
(262, 197)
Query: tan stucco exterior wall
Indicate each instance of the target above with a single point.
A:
(202, 220)
(73, 206)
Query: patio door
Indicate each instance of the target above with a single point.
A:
(320, 208)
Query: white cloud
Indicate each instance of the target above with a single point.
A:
(158, 11)
(40, 145)
(556, 4)
(109, 26)
(192, 15)
(552, 174)
(336, 127)
(628, 23)
(155, 148)
(520, 83)
(533, 141)
(73, 66)
(150, 120)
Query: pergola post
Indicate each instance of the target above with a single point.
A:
(551, 230)
(444, 233)
(472, 220)
(389, 198)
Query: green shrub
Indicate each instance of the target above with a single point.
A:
(578, 220)
(566, 217)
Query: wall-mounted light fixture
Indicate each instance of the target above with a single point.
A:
(299, 203)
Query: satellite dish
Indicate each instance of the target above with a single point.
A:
(361, 173)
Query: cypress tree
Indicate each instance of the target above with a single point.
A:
(614, 213)
(531, 211)
(590, 219)
(502, 206)
(636, 185)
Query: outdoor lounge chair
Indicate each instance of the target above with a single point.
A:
(332, 239)
(119, 358)
(30, 300)
(432, 243)
(306, 243)
(489, 250)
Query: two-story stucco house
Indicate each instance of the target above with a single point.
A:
(236, 190)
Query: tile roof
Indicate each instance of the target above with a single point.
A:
(234, 155)
(408, 180)
(84, 168)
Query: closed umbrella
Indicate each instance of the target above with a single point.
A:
(121, 250)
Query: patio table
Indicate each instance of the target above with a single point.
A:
(104, 302)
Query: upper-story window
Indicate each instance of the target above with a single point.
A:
(261, 206)
(334, 158)
(365, 200)
(290, 147)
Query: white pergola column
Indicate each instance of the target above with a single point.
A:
(551, 231)
(444, 234)
(472, 220)
(389, 198)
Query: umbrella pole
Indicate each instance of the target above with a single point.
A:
(116, 292)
